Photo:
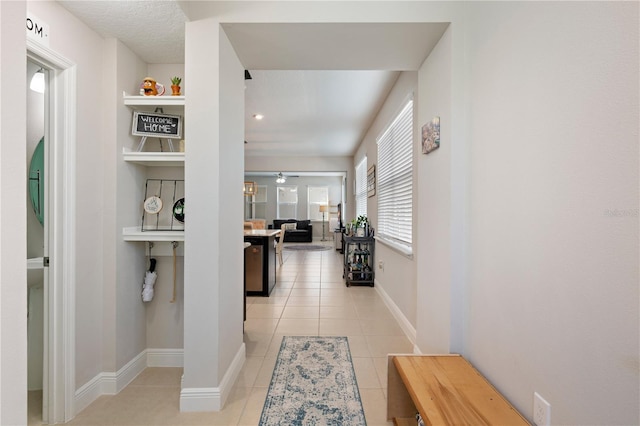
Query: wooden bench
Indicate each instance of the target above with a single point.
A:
(445, 390)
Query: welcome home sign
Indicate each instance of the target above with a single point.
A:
(156, 125)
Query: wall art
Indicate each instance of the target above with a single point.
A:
(431, 136)
(371, 181)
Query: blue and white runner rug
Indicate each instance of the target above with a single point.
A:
(313, 384)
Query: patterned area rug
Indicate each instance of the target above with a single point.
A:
(312, 247)
(313, 383)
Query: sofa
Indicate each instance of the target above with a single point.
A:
(302, 232)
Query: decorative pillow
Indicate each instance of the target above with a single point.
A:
(302, 224)
(289, 226)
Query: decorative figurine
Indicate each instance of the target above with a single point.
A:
(151, 88)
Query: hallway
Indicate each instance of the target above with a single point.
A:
(310, 298)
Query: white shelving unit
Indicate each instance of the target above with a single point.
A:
(153, 159)
(153, 101)
(134, 233)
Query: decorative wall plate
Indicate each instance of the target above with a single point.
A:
(153, 205)
(178, 210)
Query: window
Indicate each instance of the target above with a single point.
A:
(317, 196)
(395, 181)
(255, 206)
(287, 202)
(361, 188)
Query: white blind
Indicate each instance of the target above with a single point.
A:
(317, 196)
(395, 179)
(287, 202)
(361, 188)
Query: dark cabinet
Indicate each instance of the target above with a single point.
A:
(358, 260)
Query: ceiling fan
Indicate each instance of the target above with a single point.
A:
(282, 178)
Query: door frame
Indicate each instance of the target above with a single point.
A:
(59, 306)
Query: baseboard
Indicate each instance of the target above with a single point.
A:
(409, 330)
(213, 399)
(165, 357)
(107, 383)
(88, 393)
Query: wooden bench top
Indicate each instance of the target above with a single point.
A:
(448, 390)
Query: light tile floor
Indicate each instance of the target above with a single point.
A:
(310, 298)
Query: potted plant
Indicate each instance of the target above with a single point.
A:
(175, 86)
(362, 224)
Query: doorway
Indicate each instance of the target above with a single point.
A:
(54, 240)
(37, 226)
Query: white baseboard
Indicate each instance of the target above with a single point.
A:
(107, 383)
(213, 399)
(165, 357)
(409, 330)
(88, 393)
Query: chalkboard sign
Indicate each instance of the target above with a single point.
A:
(156, 125)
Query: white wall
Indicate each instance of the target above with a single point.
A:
(553, 273)
(398, 278)
(13, 229)
(213, 237)
(434, 258)
(82, 46)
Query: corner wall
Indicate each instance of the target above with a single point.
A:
(553, 268)
(13, 214)
(434, 193)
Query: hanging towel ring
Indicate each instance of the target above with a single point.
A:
(175, 245)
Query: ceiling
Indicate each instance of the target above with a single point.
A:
(319, 86)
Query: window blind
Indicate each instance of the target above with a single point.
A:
(361, 188)
(317, 196)
(395, 179)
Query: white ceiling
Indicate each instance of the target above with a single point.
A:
(319, 86)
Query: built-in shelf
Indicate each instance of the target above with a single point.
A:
(136, 234)
(157, 159)
(153, 100)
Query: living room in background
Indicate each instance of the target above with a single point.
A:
(395, 181)
(317, 196)
(361, 188)
(287, 202)
(255, 206)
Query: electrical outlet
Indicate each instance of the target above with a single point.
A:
(541, 411)
(381, 265)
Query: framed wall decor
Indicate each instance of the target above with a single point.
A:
(371, 181)
(431, 135)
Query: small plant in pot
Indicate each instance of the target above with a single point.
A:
(362, 223)
(175, 86)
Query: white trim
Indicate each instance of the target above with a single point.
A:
(165, 357)
(88, 393)
(108, 383)
(403, 249)
(213, 399)
(60, 320)
(129, 371)
(409, 330)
